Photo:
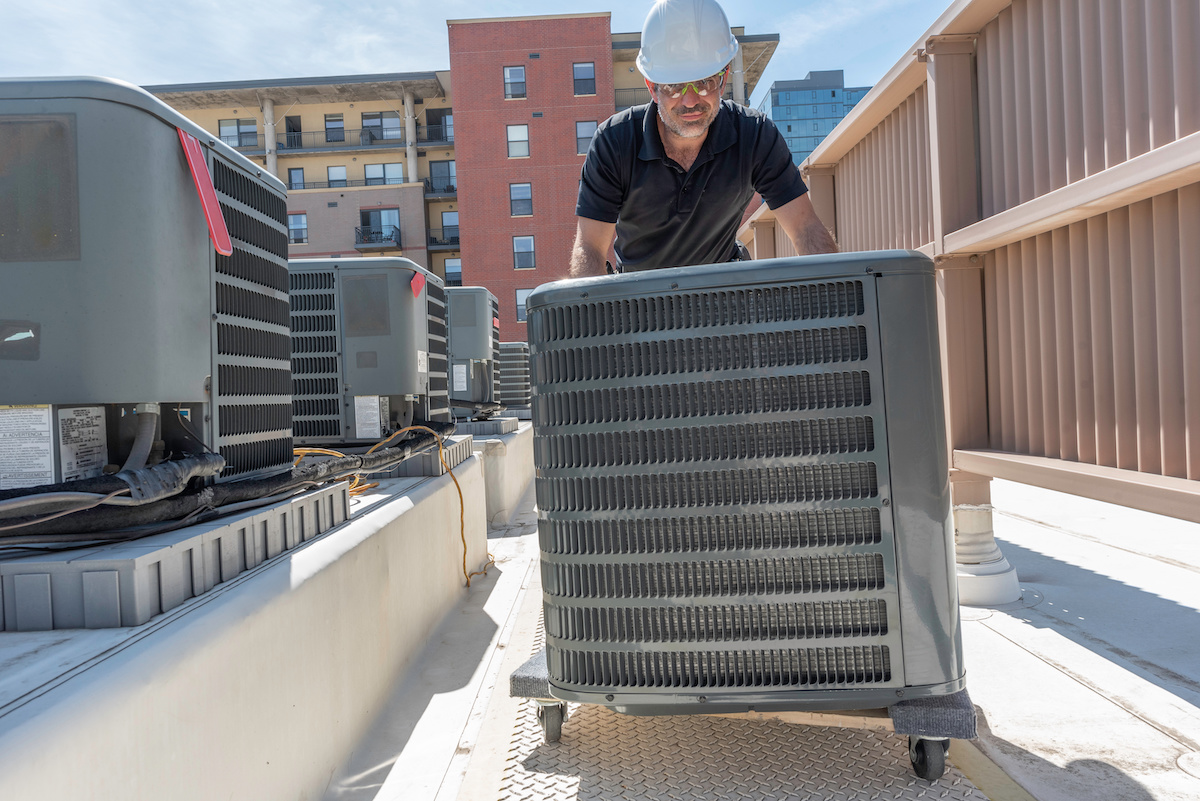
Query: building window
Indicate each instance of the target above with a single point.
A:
(583, 136)
(294, 134)
(520, 199)
(439, 125)
(523, 253)
(443, 177)
(514, 82)
(379, 226)
(518, 141)
(297, 229)
(522, 296)
(379, 174)
(295, 177)
(335, 128)
(380, 125)
(336, 176)
(239, 133)
(453, 272)
(585, 78)
(450, 227)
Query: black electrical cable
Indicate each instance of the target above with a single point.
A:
(104, 519)
(188, 430)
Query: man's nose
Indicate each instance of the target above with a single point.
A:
(690, 99)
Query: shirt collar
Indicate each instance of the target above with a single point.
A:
(722, 134)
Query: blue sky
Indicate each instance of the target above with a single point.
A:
(192, 41)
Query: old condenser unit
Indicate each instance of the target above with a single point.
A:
(742, 487)
(473, 317)
(368, 348)
(121, 308)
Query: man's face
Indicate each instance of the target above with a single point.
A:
(689, 115)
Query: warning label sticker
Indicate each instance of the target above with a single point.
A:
(26, 449)
(367, 417)
(82, 444)
(460, 378)
(422, 361)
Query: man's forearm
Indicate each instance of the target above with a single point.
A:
(586, 261)
(815, 238)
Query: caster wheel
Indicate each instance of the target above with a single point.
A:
(552, 718)
(928, 757)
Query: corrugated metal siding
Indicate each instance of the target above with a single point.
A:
(1069, 88)
(883, 198)
(1094, 339)
(1091, 329)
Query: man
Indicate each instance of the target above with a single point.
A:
(671, 179)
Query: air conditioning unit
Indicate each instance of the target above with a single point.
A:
(742, 486)
(473, 316)
(368, 348)
(515, 390)
(114, 299)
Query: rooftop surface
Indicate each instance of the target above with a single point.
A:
(1087, 688)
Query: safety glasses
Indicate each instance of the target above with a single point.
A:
(713, 83)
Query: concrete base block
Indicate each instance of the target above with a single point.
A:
(128, 584)
(456, 450)
(493, 427)
(989, 584)
(507, 470)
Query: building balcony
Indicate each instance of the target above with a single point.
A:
(320, 141)
(386, 237)
(444, 238)
(435, 135)
(441, 187)
(292, 187)
(625, 98)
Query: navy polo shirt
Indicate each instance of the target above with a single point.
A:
(669, 217)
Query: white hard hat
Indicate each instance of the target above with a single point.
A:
(685, 40)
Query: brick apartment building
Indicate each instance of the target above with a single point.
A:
(539, 88)
(481, 188)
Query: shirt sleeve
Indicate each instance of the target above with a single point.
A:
(775, 176)
(601, 186)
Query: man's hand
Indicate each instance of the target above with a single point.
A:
(592, 241)
(802, 225)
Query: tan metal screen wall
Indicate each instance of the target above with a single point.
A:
(1069, 88)
(1093, 339)
(883, 198)
(1046, 153)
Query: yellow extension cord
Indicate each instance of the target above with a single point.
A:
(357, 488)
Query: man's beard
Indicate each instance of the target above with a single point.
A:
(688, 129)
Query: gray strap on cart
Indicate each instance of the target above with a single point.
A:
(936, 716)
(532, 679)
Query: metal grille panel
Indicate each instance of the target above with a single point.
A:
(316, 382)
(717, 623)
(252, 386)
(437, 406)
(513, 373)
(711, 471)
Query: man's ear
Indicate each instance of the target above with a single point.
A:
(650, 88)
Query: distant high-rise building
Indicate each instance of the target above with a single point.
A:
(806, 111)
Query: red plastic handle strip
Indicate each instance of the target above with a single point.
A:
(417, 283)
(217, 231)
